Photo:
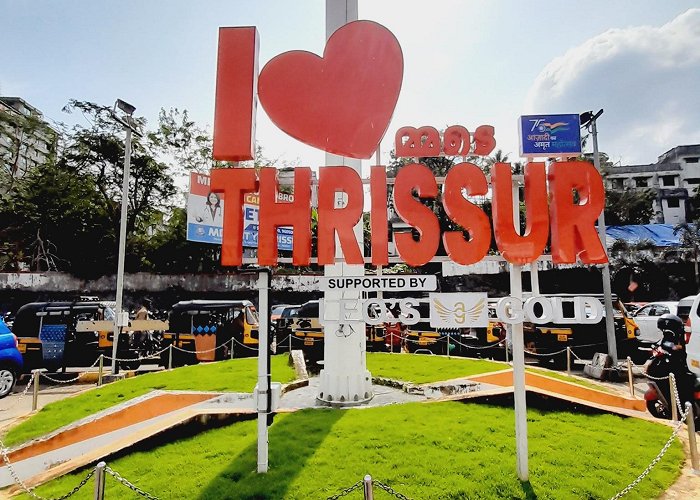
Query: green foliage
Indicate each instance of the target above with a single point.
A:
(423, 369)
(630, 206)
(444, 450)
(238, 375)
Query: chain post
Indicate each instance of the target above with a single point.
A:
(99, 373)
(447, 345)
(673, 402)
(100, 481)
(690, 421)
(630, 376)
(367, 483)
(170, 357)
(568, 360)
(231, 354)
(35, 390)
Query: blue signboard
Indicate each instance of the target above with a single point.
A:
(203, 233)
(550, 135)
(284, 237)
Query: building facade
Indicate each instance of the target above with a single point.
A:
(26, 140)
(675, 177)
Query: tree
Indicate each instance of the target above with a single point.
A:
(690, 239)
(629, 206)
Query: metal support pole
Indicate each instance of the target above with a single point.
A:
(505, 343)
(690, 421)
(367, 483)
(100, 481)
(263, 392)
(99, 373)
(630, 376)
(122, 245)
(672, 389)
(35, 389)
(170, 357)
(518, 340)
(607, 289)
(568, 360)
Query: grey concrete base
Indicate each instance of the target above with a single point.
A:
(109, 377)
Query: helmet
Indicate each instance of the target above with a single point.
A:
(672, 327)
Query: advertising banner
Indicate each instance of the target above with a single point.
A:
(205, 216)
(250, 223)
(550, 135)
(205, 211)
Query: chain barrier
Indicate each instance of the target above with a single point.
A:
(246, 346)
(225, 344)
(140, 358)
(543, 354)
(678, 398)
(346, 491)
(390, 490)
(129, 484)
(22, 394)
(487, 346)
(656, 460)
(30, 491)
(57, 381)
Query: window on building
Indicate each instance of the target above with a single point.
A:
(673, 203)
(692, 159)
(693, 181)
(668, 180)
(642, 182)
(617, 183)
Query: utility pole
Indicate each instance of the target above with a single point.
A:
(589, 118)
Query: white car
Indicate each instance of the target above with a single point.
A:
(693, 347)
(647, 316)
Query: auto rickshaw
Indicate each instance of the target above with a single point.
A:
(47, 336)
(198, 327)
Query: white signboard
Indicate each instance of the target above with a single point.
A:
(395, 283)
(459, 310)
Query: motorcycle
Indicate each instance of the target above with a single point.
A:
(665, 359)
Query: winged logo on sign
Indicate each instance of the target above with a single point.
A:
(460, 312)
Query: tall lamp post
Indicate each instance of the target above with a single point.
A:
(122, 319)
(589, 120)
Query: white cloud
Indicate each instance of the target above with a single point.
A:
(646, 78)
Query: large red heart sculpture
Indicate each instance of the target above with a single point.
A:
(340, 103)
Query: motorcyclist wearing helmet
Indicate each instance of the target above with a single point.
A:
(673, 342)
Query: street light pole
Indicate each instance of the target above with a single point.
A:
(590, 118)
(118, 317)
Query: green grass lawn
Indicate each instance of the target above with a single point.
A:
(421, 369)
(440, 450)
(238, 375)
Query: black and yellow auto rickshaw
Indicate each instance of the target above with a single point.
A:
(198, 327)
(47, 336)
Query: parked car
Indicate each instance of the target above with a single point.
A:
(11, 362)
(647, 316)
(693, 343)
(683, 312)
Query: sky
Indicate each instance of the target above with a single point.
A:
(466, 63)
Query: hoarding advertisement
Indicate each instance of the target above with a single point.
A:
(205, 216)
(205, 211)
(550, 135)
(250, 223)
